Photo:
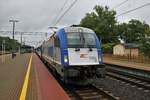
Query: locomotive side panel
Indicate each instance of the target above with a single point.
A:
(52, 54)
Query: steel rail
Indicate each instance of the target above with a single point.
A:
(91, 92)
(123, 75)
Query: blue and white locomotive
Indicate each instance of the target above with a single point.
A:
(74, 53)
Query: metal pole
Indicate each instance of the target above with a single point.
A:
(13, 29)
(21, 38)
(4, 50)
(21, 42)
(13, 21)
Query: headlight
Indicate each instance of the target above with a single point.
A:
(65, 59)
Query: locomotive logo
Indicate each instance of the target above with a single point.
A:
(83, 55)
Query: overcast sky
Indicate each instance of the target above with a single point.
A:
(38, 15)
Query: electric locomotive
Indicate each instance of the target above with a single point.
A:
(74, 53)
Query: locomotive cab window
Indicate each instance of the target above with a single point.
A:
(81, 40)
(89, 40)
(74, 40)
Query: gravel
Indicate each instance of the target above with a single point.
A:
(123, 90)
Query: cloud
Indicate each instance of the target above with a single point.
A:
(38, 15)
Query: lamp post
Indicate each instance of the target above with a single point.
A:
(20, 43)
(13, 21)
(3, 51)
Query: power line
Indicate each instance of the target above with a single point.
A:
(147, 4)
(118, 5)
(60, 10)
(65, 12)
(24, 33)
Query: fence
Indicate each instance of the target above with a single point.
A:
(138, 59)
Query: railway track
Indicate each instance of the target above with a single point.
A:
(133, 79)
(89, 92)
(128, 71)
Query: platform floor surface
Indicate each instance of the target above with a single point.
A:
(41, 84)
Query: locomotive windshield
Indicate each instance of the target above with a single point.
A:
(89, 40)
(81, 40)
(74, 40)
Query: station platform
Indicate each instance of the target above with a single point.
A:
(26, 78)
(126, 63)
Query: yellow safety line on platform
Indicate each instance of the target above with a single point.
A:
(25, 84)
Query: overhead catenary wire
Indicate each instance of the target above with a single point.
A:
(120, 4)
(129, 11)
(24, 33)
(60, 10)
(59, 19)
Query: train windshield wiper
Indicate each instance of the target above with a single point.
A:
(90, 47)
(77, 49)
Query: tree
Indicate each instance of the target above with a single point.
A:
(102, 21)
(137, 31)
(145, 47)
(145, 43)
(133, 31)
(9, 43)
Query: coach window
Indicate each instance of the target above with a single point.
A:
(57, 42)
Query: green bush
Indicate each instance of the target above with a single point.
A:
(145, 47)
(108, 48)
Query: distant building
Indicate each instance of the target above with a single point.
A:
(126, 49)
